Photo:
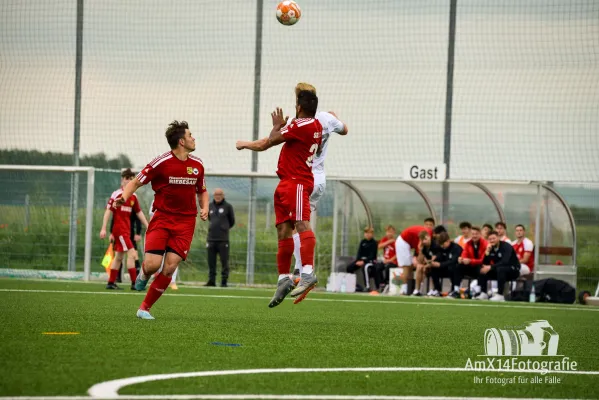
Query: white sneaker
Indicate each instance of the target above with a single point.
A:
(435, 294)
(481, 296)
(497, 297)
(430, 292)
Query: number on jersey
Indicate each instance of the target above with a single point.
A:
(313, 149)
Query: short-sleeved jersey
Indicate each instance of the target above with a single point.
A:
(410, 235)
(122, 214)
(461, 240)
(525, 246)
(176, 183)
(302, 138)
(388, 250)
(330, 125)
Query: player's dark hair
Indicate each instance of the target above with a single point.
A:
(308, 101)
(465, 224)
(488, 226)
(442, 238)
(429, 219)
(476, 228)
(422, 235)
(501, 223)
(494, 233)
(174, 132)
(439, 229)
(389, 227)
(521, 226)
(127, 173)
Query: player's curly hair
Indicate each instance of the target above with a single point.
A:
(127, 173)
(174, 132)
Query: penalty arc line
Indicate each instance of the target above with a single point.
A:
(454, 303)
(110, 389)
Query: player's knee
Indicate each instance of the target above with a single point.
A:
(302, 226)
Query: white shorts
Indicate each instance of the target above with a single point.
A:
(403, 252)
(317, 194)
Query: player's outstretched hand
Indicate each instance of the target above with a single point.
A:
(240, 145)
(204, 214)
(277, 118)
(111, 238)
(119, 202)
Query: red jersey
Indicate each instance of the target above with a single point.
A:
(176, 183)
(525, 246)
(302, 139)
(122, 214)
(389, 250)
(475, 252)
(410, 235)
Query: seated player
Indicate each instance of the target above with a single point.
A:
(501, 229)
(407, 241)
(466, 228)
(444, 265)
(500, 263)
(366, 257)
(122, 231)
(422, 261)
(387, 243)
(471, 261)
(524, 250)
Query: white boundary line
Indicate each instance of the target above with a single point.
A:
(110, 389)
(456, 303)
(270, 397)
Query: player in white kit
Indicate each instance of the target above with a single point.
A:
(330, 125)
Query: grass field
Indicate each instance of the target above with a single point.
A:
(325, 331)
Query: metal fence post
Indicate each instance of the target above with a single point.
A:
(538, 228)
(89, 217)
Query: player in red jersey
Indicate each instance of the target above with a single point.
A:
(177, 178)
(301, 140)
(122, 231)
(408, 240)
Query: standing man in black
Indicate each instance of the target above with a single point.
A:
(222, 219)
(501, 263)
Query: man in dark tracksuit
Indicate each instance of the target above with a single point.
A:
(222, 219)
(501, 263)
(367, 252)
(445, 265)
(135, 237)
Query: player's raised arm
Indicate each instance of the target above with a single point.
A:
(128, 191)
(256, 145)
(276, 136)
(339, 126)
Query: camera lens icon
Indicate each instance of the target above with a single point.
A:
(538, 338)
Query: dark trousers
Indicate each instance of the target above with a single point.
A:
(436, 273)
(368, 269)
(501, 274)
(461, 271)
(382, 272)
(222, 249)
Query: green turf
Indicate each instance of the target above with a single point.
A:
(325, 331)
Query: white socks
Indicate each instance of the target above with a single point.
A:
(404, 288)
(174, 278)
(307, 269)
(283, 276)
(296, 251)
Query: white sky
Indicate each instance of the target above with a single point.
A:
(526, 88)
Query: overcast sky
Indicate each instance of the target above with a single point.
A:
(526, 82)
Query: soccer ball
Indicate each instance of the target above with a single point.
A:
(288, 12)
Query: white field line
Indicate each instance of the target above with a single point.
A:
(268, 397)
(455, 303)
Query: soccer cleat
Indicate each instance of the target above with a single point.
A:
(174, 286)
(434, 293)
(210, 284)
(306, 283)
(303, 295)
(133, 286)
(144, 314)
(113, 286)
(140, 284)
(453, 295)
(283, 288)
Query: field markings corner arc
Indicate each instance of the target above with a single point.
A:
(110, 389)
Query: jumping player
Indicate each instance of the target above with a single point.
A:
(302, 141)
(177, 178)
(121, 230)
(330, 124)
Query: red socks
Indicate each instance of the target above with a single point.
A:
(156, 289)
(114, 273)
(284, 255)
(132, 275)
(307, 245)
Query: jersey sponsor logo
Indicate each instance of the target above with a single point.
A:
(126, 209)
(175, 180)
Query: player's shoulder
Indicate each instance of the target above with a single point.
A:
(299, 122)
(196, 160)
(116, 193)
(527, 242)
(161, 158)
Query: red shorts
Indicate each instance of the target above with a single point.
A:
(292, 201)
(122, 243)
(173, 231)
